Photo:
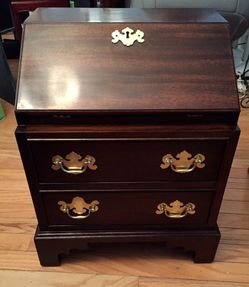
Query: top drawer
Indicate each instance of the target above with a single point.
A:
(81, 160)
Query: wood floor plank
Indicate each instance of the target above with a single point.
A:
(15, 242)
(233, 220)
(240, 172)
(16, 178)
(22, 220)
(237, 183)
(234, 236)
(8, 197)
(236, 194)
(17, 211)
(146, 266)
(18, 227)
(232, 253)
(235, 207)
(53, 279)
(148, 282)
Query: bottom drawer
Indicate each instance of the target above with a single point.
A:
(107, 209)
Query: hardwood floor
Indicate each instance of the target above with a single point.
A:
(142, 265)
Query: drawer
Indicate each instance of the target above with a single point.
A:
(107, 209)
(124, 160)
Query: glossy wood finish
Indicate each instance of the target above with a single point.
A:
(159, 80)
(205, 16)
(50, 247)
(130, 208)
(119, 159)
(47, 179)
(83, 93)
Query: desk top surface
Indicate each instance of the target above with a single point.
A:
(107, 15)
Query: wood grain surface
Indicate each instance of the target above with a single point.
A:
(80, 69)
(141, 265)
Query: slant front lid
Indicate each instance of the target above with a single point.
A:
(180, 61)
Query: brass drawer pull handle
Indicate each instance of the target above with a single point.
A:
(73, 163)
(79, 207)
(175, 209)
(184, 162)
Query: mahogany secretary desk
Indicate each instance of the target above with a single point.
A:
(127, 126)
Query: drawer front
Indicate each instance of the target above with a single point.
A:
(107, 209)
(117, 160)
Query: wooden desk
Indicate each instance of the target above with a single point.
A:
(124, 143)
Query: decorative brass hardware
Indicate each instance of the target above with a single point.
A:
(184, 162)
(128, 36)
(74, 163)
(79, 207)
(175, 209)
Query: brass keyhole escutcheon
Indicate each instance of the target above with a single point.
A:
(128, 36)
